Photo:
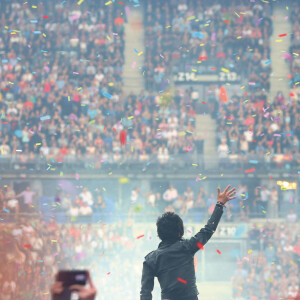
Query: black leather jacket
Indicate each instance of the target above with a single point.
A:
(173, 260)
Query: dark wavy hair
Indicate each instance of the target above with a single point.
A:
(169, 227)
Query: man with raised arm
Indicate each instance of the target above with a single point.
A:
(173, 261)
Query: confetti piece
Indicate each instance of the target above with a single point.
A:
(74, 17)
(133, 65)
(107, 95)
(200, 246)
(27, 246)
(140, 53)
(181, 280)
(191, 18)
(225, 21)
(140, 236)
(45, 118)
(249, 251)
(282, 35)
(79, 2)
(45, 17)
(225, 70)
(250, 170)
(107, 3)
(6, 210)
(219, 251)
(253, 161)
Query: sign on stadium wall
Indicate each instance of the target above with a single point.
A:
(183, 77)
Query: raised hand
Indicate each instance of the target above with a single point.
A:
(226, 195)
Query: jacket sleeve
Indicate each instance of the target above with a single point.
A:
(147, 282)
(201, 238)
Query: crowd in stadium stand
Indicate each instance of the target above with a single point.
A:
(274, 272)
(38, 249)
(251, 129)
(233, 35)
(32, 252)
(190, 203)
(61, 92)
(293, 57)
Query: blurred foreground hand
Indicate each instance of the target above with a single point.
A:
(84, 293)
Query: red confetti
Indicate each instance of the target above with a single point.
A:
(282, 35)
(200, 246)
(181, 280)
(271, 177)
(27, 246)
(213, 68)
(121, 3)
(219, 251)
(45, 17)
(250, 170)
(202, 58)
(108, 273)
(104, 128)
(226, 21)
(291, 94)
(6, 89)
(288, 134)
(203, 102)
(114, 129)
(140, 236)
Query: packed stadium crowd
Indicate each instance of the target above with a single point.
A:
(190, 203)
(61, 101)
(34, 250)
(293, 56)
(182, 34)
(61, 93)
(274, 272)
(250, 128)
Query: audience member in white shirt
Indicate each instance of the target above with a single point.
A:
(163, 155)
(85, 210)
(292, 216)
(87, 197)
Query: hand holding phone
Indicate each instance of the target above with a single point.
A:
(69, 281)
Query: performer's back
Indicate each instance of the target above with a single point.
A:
(173, 264)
